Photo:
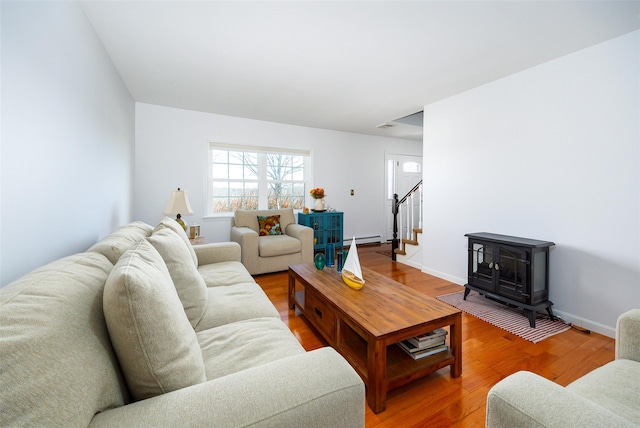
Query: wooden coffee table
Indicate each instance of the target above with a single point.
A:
(364, 326)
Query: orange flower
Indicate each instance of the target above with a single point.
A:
(317, 193)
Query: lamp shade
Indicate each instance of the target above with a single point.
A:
(178, 203)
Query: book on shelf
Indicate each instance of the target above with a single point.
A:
(411, 347)
(431, 334)
(416, 354)
(429, 339)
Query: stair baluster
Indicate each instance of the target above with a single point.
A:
(411, 236)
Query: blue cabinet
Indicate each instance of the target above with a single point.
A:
(327, 228)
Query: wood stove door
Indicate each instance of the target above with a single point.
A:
(481, 265)
(513, 271)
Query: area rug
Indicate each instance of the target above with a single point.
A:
(505, 317)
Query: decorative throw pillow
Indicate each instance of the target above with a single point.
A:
(269, 225)
(156, 346)
(189, 284)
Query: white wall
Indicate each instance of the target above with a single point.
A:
(67, 137)
(171, 152)
(550, 153)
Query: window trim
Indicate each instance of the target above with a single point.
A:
(262, 182)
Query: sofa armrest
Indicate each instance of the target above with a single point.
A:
(247, 238)
(305, 235)
(525, 399)
(314, 389)
(217, 252)
(628, 335)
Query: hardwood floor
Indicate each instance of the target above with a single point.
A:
(488, 355)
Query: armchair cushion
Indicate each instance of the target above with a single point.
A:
(269, 225)
(280, 245)
(157, 347)
(613, 386)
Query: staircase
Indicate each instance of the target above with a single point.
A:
(408, 249)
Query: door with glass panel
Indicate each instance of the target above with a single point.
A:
(403, 172)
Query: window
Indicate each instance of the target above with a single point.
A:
(243, 177)
(411, 167)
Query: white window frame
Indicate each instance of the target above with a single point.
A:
(263, 180)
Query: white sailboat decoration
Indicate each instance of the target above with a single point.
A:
(351, 271)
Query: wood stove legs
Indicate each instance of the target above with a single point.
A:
(531, 314)
(530, 311)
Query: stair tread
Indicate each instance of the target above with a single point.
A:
(410, 241)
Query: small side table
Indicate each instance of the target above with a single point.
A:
(199, 240)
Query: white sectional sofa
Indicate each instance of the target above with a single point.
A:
(144, 329)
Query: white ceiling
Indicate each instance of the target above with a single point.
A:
(347, 66)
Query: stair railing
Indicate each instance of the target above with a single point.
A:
(397, 208)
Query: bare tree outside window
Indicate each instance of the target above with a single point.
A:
(238, 177)
(282, 171)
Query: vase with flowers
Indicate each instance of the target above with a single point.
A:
(317, 193)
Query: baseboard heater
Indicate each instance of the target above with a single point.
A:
(375, 239)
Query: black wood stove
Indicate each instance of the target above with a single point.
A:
(510, 270)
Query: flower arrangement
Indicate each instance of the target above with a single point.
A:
(317, 193)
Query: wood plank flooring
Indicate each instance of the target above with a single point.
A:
(489, 354)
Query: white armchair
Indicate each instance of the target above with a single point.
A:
(609, 396)
(271, 252)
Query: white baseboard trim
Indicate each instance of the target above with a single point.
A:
(605, 330)
(412, 263)
(450, 278)
(602, 329)
(374, 239)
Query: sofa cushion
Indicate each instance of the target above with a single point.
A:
(57, 366)
(234, 347)
(224, 273)
(153, 339)
(237, 302)
(269, 225)
(123, 238)
(614, 386)
(279, 245)
(173, 225)
(188, 282)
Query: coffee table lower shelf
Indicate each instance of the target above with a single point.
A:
(401, 368)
